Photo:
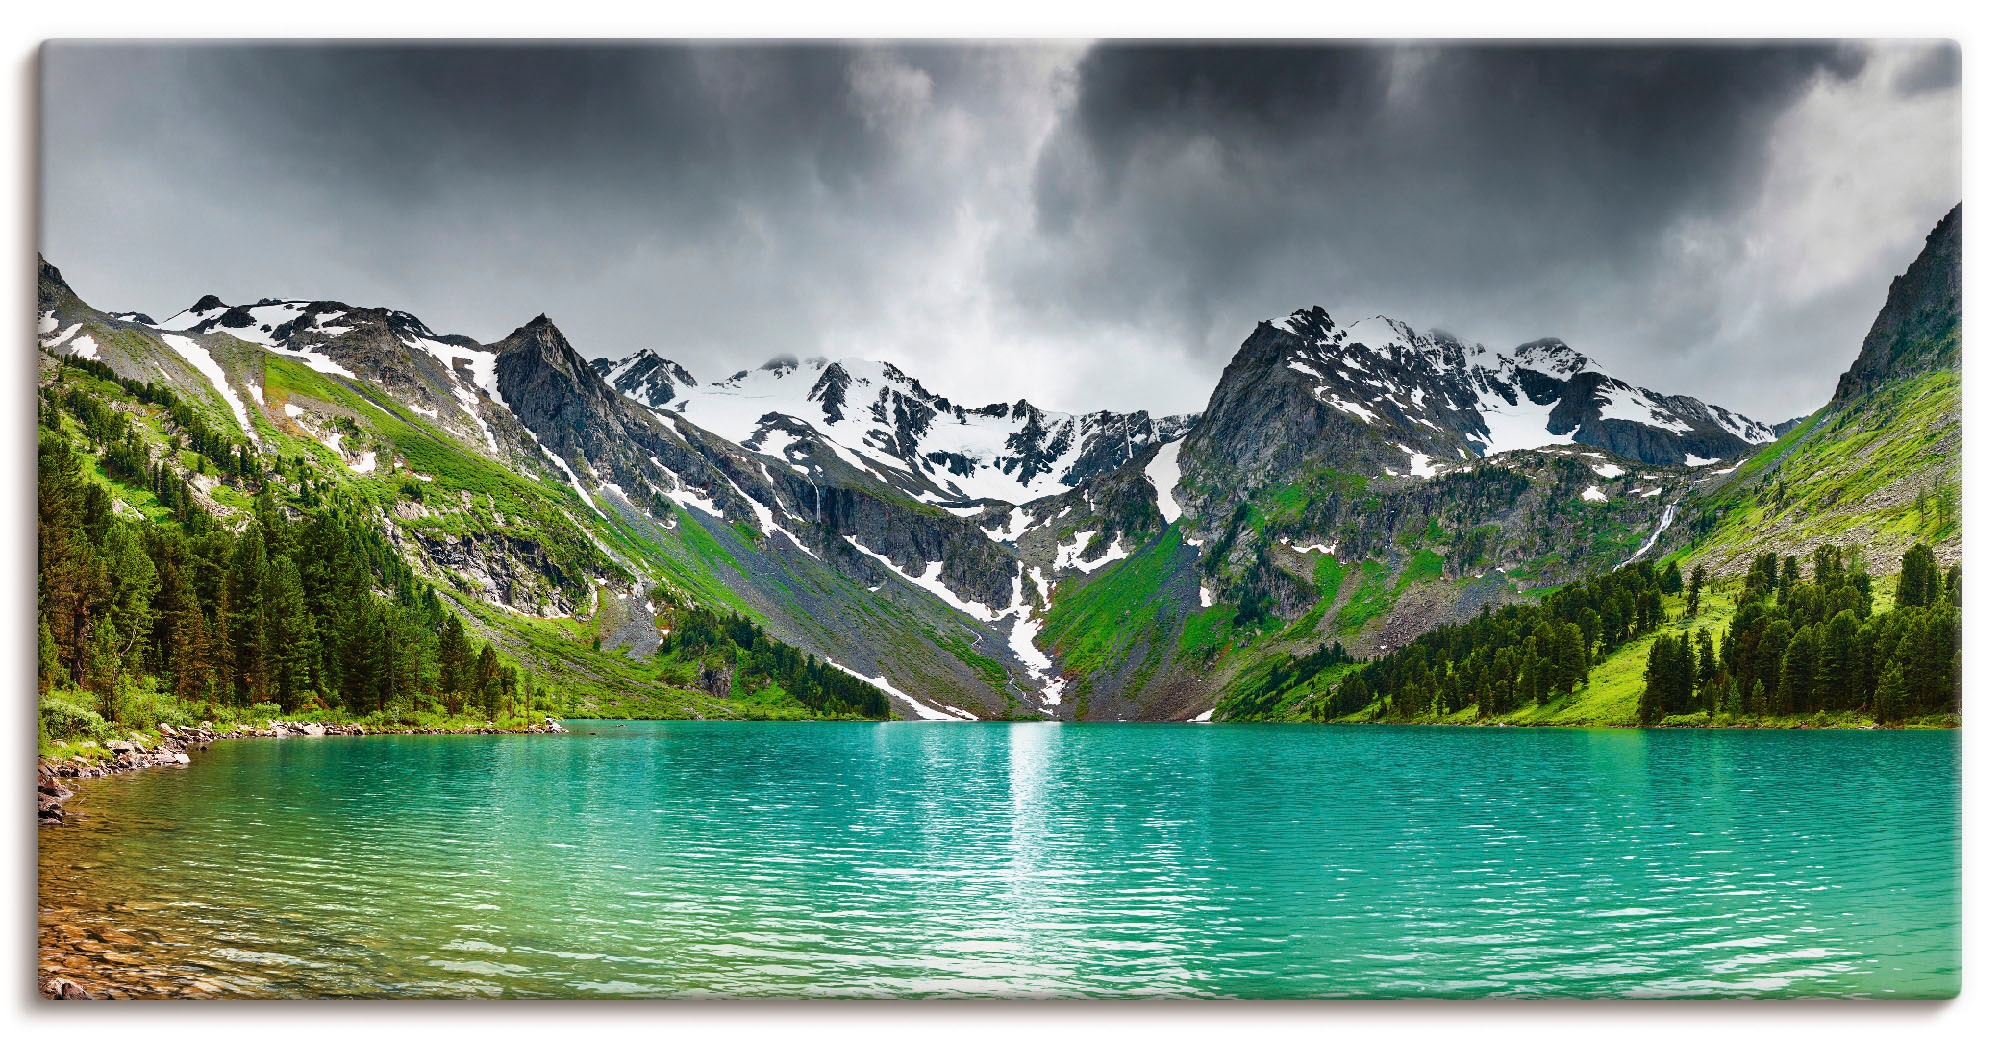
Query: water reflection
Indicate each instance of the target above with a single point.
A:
(1026, 859)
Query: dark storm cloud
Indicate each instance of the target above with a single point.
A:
(1491, 189)
(1088, 226)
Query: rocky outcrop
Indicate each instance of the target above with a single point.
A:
(589, 431)
(1917, 329)
(1376, 397)
(917, 441)
(645, 376)
(171, 749)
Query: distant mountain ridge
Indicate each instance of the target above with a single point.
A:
(1433, 396)
(885, 421)
(1350, 483)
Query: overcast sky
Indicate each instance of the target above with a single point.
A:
(1084, 226)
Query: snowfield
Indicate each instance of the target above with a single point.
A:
(197, 355)
(854, 403)
(1165, 472)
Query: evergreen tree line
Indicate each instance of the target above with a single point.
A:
(735, 645)
(231, 454)
(1507, 657)
(316, 610)
(1263, 698)
(1802, 644)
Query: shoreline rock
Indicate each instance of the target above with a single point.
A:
(176, 744)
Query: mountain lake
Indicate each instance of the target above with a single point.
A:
(714, 859)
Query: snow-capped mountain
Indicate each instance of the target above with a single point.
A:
(645, 376)
(881, 420)
(1541, 394)
(447, 378)
(1376, 397)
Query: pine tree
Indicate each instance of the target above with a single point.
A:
(1659, 680)
(288, 635)
(133, 582)
(1798, 681)
(454, 659)
(1918, 585)
(1706, 667)
(245, 588)
(1840, 661)
(1771, 646)
(1891, 701)
(486, 681)
(102, 671)
(48, 662)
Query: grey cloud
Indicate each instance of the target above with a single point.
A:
(1086, 226)
(1938, 69)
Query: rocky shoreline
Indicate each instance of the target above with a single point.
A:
(175, 745)
(173, 749)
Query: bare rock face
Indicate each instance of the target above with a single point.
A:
(917, 441)
(1376, 396)
(1916, 330)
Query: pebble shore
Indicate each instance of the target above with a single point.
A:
(173, 749)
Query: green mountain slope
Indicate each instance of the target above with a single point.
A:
(1876, 470)
(202, 434)
(1863, 494)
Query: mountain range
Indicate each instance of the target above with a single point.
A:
(1352, 484)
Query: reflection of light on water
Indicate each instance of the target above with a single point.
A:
(1030, 748)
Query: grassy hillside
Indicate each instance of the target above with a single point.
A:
(1878, 475)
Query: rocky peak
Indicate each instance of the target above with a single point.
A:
(1553, 357)
(645, 376)
(1376, 398)
(51, 291)
(541, 342)
(1917, 329)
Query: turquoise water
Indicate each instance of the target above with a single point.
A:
(723, 859)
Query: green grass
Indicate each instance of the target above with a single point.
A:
(1095, 627)
(1825, 481)
(1207, 631)
(1329, 574)
(1371, 598)
(1425, 565)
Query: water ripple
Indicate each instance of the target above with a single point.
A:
(866, 860)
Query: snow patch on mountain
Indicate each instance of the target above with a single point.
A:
(1070, 555)
(879, 419)
(929, 581)
(1165, 472)
(57, 342)
(923, 710)
(197, 355)
(1541, 394)
(563, 466)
